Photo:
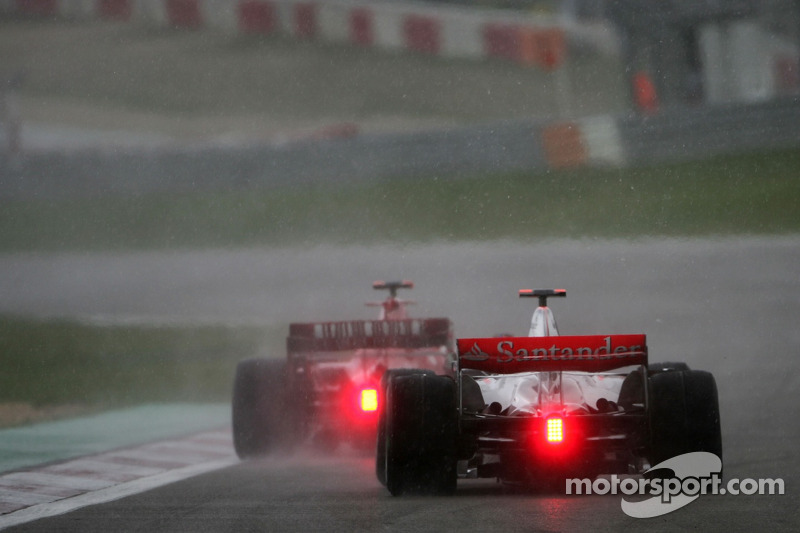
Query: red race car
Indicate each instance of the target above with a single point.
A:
(328, 389)
(540, 409)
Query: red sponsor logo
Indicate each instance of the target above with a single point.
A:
(549, 352)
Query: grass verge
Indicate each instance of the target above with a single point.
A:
(744, 194)
(63, 363)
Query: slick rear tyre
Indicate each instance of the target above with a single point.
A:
(258, 398)
(421, 435)
(684, 415)
(380, 451)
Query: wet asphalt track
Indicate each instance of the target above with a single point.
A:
(729, 306)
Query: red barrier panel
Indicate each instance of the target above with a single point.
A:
(422, 34)
(563, 145)
(361, 31)
(114, 9)
(644, 93)
(787, 79)
(545, 48)
(184, 13)
(502, 40)
(553, 48)
(305, 20)
(38, 7)
(257, 16)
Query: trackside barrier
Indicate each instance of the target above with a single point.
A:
(258, 17)
(76, 9)
(333, 23)
(440, 30)
(462, 37)
(184, 13)
(601, 139)
(523, 145)
(115, 9)
(151, 13)
(544, 48)
(305, 20)
(563, 145)
(389, 27)
(42, 8)
(422, 34)
(589, 141)
(501, 40)
(220, 15)
(361, 26)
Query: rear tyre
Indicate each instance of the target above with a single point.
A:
(421, 435)
(684, 415)
(380, 451)
(257, 407)
(631, 394)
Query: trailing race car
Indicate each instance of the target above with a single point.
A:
(539, 409)
(327, 389)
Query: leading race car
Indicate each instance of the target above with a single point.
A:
(539, 409)
(327, 389)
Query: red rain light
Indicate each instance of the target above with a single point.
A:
(369, 400)
(555, 430)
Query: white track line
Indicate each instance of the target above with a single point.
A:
(40, 493)
(116, 492)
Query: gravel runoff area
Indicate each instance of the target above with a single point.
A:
(95, 83)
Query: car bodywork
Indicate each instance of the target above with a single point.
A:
(342, 364)
(327, 390)
(539, 409)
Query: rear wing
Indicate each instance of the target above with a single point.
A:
(587, 353)
(354, 334)
(392, 286)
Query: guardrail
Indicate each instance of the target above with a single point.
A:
(523, 145)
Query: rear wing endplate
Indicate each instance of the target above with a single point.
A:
(354, 334)
(587, 353)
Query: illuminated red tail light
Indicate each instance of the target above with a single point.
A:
(369, 400)
(555, 430)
